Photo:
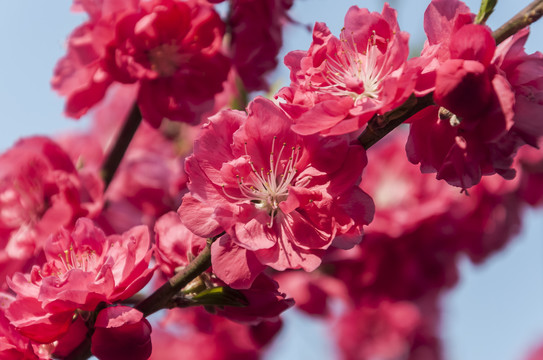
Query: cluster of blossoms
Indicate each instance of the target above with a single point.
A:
(218, 219)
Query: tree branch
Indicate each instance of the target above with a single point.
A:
(525, 17)
(110, 165)
(380, 125)
(163, 296)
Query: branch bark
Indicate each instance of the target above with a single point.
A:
(525, 17)
(111, 164)
(380, 125)
(161, 298)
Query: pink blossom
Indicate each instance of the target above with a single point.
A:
(172, 49)
(13, 346)
(284, 197)
(339, 84)
(383, 331)
(121, 332)
(419, 262)
(209, 337)
(169, 48)
(524, 73)
(485, 110)
(40, 191)
(83, 268)
(257, 27)
(80, 75)
(404, 198)
(421, 228)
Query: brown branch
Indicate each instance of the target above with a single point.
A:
(110, 165)
(525, 17)
(380, 125)
(162, 297)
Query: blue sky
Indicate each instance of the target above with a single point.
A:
(496, 312)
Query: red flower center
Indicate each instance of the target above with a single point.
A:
(165, 59)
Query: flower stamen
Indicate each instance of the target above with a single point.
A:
(354, 73)
(266, 189)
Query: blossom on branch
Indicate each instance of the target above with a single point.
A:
(421, 228)
(281, 197)
(40, 191)
(83, 269)
(170, 48)
(339, 84)
(486, 95)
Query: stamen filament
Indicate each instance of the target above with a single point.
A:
(266, 189)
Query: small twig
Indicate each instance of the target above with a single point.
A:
(161, 298)
(525, 17)
(110, 165)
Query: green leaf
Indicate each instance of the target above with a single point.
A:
(487, 7)
(221, 296)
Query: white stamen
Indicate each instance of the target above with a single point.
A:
(363, 68)
(267, 189)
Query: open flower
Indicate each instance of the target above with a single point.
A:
(84, 268)
(284, 197)
(170, 48)
(40, 191)
(339, 84)
(487, 97)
